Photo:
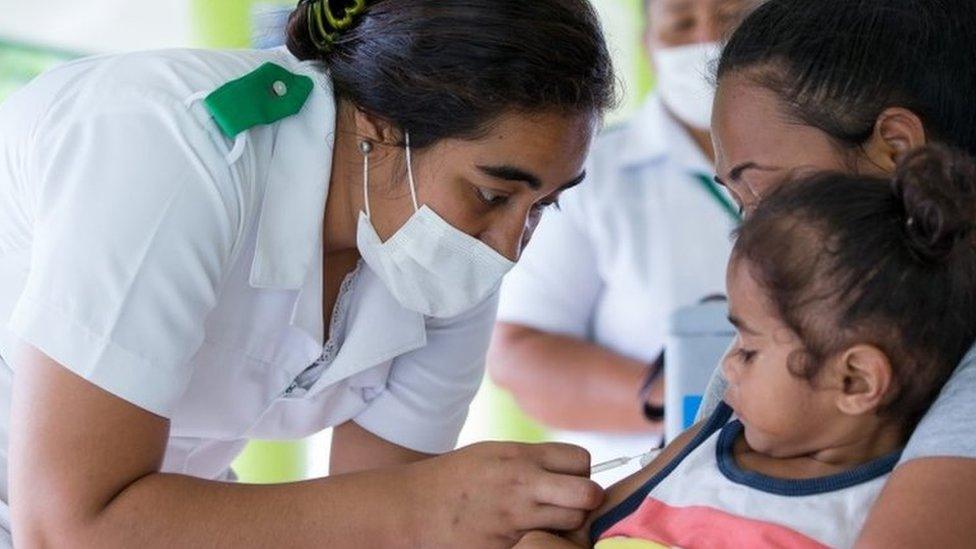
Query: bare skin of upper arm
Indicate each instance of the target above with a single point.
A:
(615, 495)
(568, 383)
(925, 503)
(73, 446)
(355, 449)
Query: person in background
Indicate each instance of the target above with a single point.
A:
(583, 317)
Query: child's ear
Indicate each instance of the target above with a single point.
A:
(866, 377)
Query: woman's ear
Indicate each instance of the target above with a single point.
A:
(866, 379)
(375, 129)
(896, 132)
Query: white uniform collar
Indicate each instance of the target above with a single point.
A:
(290, 225)
(653, 135)
(288, 252)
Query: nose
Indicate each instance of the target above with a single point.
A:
(729, 368)
(511, 233)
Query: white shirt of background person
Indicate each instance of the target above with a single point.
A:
(585, 311)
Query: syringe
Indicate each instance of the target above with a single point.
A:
(645, 459)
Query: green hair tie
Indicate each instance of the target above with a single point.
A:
(323, 25)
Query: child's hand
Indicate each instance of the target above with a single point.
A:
(543, 540)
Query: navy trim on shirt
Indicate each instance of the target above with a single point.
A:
(625, 508)
(795, 487)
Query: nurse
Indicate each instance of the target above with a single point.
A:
(198, 248)
(584, 316)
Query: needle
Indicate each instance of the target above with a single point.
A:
(621, 461)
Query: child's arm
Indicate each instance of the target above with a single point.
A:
(614, 496)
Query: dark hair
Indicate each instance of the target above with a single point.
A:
(448, 68)
(849, 259)
(838, 64)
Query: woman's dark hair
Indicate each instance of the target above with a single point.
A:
(448, 68)
(852, 260)
(838, 64)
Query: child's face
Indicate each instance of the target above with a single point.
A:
(783, 414)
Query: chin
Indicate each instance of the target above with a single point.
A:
(752, 438)
(757, 441)
(766, 446)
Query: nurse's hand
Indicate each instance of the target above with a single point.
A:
(491, 494)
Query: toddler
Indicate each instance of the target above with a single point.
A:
(854, 298)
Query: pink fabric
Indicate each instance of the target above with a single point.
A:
(697, 526)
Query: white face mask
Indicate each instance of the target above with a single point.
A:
(428, 265)
(684, 82)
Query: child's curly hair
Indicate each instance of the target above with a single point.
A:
(849, 259)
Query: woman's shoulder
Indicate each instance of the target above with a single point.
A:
(170, 76)
(948, 427)
(186, 66)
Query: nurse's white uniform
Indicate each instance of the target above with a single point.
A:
(137, 251)
(639, 239)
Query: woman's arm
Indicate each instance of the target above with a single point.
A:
(540, 352)
(568, 383)
(930, 499)
(84, 469)
(85, 472)
(355, 449)
(926, 503)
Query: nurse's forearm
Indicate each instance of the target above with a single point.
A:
(568, 383)
(163, 510)
(84, 472)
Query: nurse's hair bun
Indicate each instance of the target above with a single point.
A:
(316, 26)
(937, 186)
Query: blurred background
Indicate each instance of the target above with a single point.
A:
(37, 35)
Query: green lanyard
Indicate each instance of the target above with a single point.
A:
(723, 200)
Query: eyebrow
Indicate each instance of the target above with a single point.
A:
(741, 325)
(736, 173)
(511, 173)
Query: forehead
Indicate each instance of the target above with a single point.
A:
(748, 299)
(552, 146)
(750, 123)
(747, 114)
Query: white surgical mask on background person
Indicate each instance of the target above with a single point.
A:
(428, 265)
(683, 81)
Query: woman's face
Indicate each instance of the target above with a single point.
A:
(495, 188)
(757, 144)
(681, 22)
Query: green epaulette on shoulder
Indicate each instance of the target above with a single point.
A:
(264, 96)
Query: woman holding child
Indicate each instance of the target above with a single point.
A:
(858, 255)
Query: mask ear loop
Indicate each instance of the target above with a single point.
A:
(366, 147)
(413, 187)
